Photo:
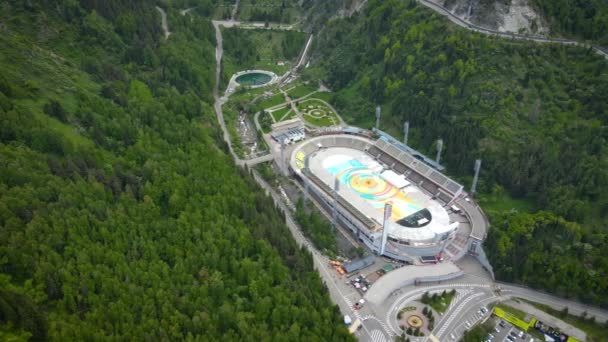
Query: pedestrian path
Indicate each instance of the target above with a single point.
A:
(454, 315)
(382, 323)
(377, 336)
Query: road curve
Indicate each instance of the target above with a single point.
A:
(468, 25)
(219, 51)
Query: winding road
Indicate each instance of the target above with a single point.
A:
(468, 25)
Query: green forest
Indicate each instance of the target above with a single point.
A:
(535, 113)
(259, 49)
(583, 19)
(123, 217)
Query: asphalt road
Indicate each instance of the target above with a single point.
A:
(468, 25)
(343, 295)
(378, 320)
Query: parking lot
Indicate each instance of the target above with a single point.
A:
(506, 332)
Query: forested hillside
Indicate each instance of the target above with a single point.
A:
(584, 19)
(121, 215)
(536, 115)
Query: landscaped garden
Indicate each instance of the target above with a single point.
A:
(415, 321)
(317, 113)
(439, 302)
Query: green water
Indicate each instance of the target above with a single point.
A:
(254, 78)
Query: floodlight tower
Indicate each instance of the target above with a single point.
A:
(377, 117)
(476, 176)
(439, 148)
(335, 208)
(406, 131)
(388, 210)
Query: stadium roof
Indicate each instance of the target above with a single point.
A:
(431, 162)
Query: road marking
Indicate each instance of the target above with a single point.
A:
(377, 336)
(445, 324)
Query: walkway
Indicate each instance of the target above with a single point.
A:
(409, 275)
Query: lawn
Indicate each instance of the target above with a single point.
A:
(322, 122)
(325, 117)
(439, 302)
(323, 95)
(595, 331)
(286, 11)
(291, 115)
(300, 90)
(272, 101)
(279, 113)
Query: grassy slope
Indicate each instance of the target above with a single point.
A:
(534, 113)
(259, 49)
(287, 11)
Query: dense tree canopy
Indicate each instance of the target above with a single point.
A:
(122, 216)
(536, 115)
(585, 19)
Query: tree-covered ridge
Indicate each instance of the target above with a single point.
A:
(122, 217)
(246, 49)
(545, 251)
(536, 114)
(586, 19)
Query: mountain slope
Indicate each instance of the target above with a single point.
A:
(122, 217)
(536, 114)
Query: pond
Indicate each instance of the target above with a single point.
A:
(253, 79)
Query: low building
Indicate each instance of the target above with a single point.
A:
(290, 136)
(358, 264)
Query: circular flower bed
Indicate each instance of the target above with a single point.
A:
(414, 321)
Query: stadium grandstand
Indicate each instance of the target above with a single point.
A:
(373, 171)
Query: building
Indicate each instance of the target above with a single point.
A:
(290, 136)
(358, 264)
(375, 173)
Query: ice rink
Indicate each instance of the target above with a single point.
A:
(365, 184)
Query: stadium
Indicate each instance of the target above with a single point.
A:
(394, 201)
